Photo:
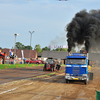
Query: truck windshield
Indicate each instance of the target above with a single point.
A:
(76, 61)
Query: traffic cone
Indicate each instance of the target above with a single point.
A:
(39, 64)
(32, 65)
(16, 66)
(6, 67)
(26, 66)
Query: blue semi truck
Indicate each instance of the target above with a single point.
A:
(77, 68)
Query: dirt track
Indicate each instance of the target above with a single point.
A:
(51, 88)
(9, 75)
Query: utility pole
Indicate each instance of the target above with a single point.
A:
(15, 47)
(30, 43)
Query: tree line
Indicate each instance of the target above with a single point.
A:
(38, 48)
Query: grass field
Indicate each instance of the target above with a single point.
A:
(7, 66)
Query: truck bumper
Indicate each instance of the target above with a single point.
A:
(75, 77)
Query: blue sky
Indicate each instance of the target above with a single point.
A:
(48, 18)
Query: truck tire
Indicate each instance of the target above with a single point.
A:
(66, 80)
(86, 81)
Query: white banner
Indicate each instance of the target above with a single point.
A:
(22, 54)
(58, 46)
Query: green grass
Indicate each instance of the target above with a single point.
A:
(2, 66)
(9, 66)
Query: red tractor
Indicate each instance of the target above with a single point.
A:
(49, 65)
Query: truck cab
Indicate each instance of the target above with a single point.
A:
(77, 68)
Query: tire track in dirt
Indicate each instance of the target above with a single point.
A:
(52, 88)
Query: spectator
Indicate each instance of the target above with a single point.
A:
(46, 64)
(58, 66)
(24, 60)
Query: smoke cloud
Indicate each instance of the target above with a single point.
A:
(84, 29)
(59, 40)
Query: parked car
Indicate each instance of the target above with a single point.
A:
(33, 61)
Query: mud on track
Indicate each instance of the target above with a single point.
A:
(51, 88)
(9, 75)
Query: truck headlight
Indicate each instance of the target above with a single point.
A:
(83, 66)
(67, 74)
(84, 74)
(68, 65)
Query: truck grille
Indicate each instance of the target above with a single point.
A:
(76, 71)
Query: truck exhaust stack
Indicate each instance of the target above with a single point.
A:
(69, 53)
(87, 55)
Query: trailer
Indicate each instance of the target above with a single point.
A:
(77, 68)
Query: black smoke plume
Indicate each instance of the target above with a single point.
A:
(84, 29)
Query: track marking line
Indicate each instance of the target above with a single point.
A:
(9, 90)
(30, 83)
(15, 88)
(58, 97)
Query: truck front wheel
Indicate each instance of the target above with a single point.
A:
(86, 81)
(66, 80)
